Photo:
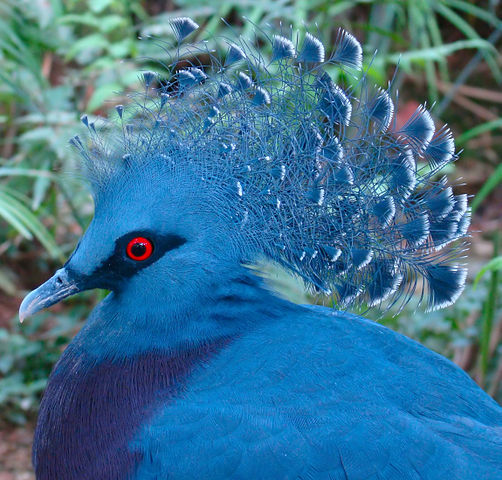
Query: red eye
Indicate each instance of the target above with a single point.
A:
(139, 249)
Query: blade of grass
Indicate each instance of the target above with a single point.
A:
(435, 53)
(488, 315)
(494, 264)
(27, 172)
(451, 16)
(467, 72)
(478, 12)
(430, 71)
(12, 219)
(478, 130)
(437, 40)
(27, 223)
(494, 180)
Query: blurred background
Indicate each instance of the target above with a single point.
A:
(60, 58)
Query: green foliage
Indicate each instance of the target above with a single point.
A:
(14, 210)
(27, 355)
(59, 58)
(494, 265)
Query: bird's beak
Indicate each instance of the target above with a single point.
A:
(59, 286)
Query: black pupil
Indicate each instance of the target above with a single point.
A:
(138, 249)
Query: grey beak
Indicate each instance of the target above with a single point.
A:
(52, 291)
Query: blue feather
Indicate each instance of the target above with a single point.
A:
(440, 201)
(347, 293)
(224, 89)
(148, 78)
(385, 279)
(120, 110)
(343, 175)
(416, 230)
(444, 231)
(384, 210)
(312, 50)
(279, 172)
(244, 82)
(381, 110)
(282, 48)
(403, 178)
(333, 151)
(199, 75)
(445, 283)
(463, 224)
(419, 129)
(462, 214)
(186, 79)
(360, 257)
(261, 96)
(441, 149)
(77, 143)
(316, 194)
(234, 54)
(311, 163)
(332, 254)
(334, 103)
(348, 50)
(460, 205)
(182, 27)
(164, 97)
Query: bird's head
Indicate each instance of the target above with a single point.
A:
(215, 164)
(156, 232)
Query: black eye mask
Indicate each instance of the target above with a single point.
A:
(119, 265)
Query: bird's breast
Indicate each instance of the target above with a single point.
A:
(90, 412)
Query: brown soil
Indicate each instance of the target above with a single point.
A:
(15, 453)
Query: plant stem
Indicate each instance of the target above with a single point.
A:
(488, 315)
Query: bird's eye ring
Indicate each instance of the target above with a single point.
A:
(139, 249)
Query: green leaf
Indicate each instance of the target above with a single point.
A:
(42, 184)
(469, 32)
(37, 135)
(98, 6)
(102, 94)
(481, 13)
(10, 216)
(434, 53)
(478, 130)
(95, 41)
(26, 223)
(494, 265)
(121, 49)
(84, 19)
(26, 172)
(111, 22)
(492, 182)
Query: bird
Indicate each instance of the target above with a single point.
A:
(193, 366)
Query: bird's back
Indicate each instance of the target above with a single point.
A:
(323, 394)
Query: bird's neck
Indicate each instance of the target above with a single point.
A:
(121, 326)
(124, 364)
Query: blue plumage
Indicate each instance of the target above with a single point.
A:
(182, 27)
(312, 50)
(282, 48)
(234, 55)
(347, 50)
(191, 367)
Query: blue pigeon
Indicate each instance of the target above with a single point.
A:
(191, 368)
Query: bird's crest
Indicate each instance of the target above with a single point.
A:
(317, 176)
